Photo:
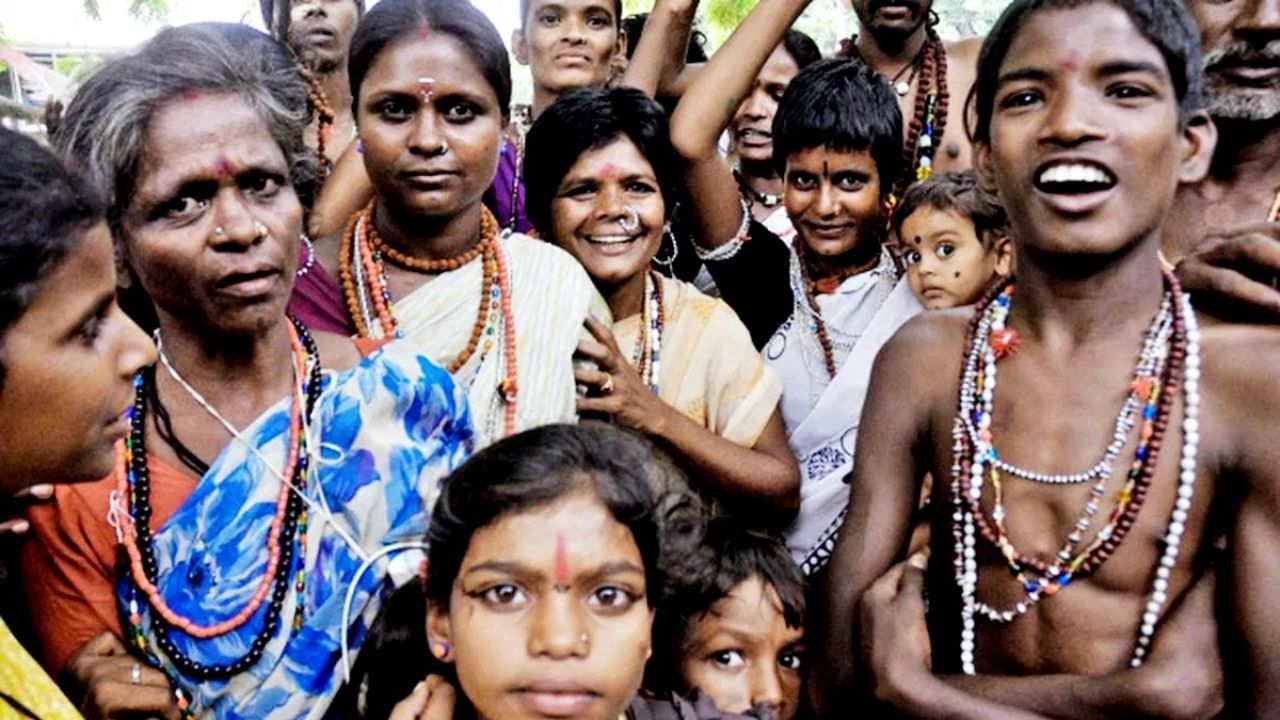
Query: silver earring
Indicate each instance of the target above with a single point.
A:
(668, 237)
(311, 256)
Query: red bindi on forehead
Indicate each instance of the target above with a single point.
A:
(190, 94)
(562, 561)
(608, 171)
(424, 31)
(224, 168)
(1070, 61)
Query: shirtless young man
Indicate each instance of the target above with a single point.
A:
(1086, 123)
(1225, 231)
(896, 37)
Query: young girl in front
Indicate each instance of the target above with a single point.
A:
(548, 553)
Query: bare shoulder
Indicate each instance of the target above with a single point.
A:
(337, 352)
(924, 356)
(964, 53)
(1240, 378)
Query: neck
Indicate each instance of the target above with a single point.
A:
(257, 365)
(889, 59)
(428, 238)
(859, 258)
(761, 177)
(627, 297)
(1113, 301)
(1248, 152)
(337, 90)
(542, 99)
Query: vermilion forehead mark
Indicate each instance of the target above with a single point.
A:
(424, 30)
(608, 171)
(1070, 61)
(562, 562)
(225, 168)
(190, 94)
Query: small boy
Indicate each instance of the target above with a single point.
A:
(954, 239)
(734, 629)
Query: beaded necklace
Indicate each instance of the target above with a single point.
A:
(1172, 343)
(649, 345)
(285, 541)
(929, 117)
(324, 121)
(364, 282)
(769, 200)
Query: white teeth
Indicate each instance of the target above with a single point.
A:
(611, 239)
(1075, 173)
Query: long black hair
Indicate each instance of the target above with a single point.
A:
(641, 488)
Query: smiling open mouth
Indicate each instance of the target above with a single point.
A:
(1074, 178)
(611, 239)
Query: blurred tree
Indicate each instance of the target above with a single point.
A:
(147, 10)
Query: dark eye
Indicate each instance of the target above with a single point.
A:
(504, 595)
(911, 257)
(1128, 91)
(776, 92)
(263, 185)
(802, 181)
(182, 207)
(549, 19)
(790, 660)
(639, 187)
(945, 249)
(599, 22)
(1020, 98)
(583, 191)
(459, 111)
(728, 658)
(91, 330)
(395, 111)
(850, 182)
(611, 598)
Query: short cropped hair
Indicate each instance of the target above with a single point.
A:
(844, 105)
(586, 119)
(104, 126)
(45, 211)
(391, 20)
(960, 193)
(1167, 24)
(617, 13)
(730, 555)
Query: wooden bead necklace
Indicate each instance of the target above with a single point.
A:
(325, 117)
(819, 325)
(283, 543)
(368, 297)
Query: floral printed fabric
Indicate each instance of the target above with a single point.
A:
(383, 437)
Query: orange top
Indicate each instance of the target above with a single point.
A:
(69, 564)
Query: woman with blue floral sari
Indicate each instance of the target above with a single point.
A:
(274, 481)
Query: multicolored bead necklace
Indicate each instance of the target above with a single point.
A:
(1172, 342)
(285, 540)
(364, 283)
(649, 345)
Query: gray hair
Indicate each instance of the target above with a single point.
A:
(103, 129)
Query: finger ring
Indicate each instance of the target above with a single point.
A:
(135, 674)
(606, 387)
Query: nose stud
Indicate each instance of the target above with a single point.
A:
(219, 232)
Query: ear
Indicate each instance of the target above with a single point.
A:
(1199, 138)
(983, 167)
(519, 47)
(1003, 249)
(620, 48)
(439, 632)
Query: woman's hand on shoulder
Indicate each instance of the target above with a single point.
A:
(617, 389)
(432, 699)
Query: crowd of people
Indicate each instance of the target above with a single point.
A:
(745, 384)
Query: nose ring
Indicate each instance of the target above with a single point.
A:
(633, 216)
(219, 232)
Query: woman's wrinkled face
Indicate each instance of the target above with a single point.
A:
(430, 126)
(548, 616)
(569, 44)
(609, 213)
(213, 227)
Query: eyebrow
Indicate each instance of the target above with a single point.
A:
(517, 569)
(1114, 67)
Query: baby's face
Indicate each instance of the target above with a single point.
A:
(946, 263)
(743, 655)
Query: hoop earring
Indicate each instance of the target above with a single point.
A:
(669, 263)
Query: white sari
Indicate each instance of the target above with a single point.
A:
(822, 415)
(551, 298)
